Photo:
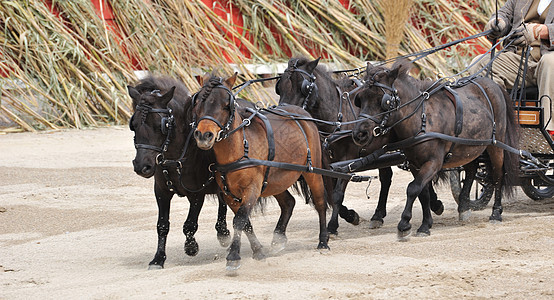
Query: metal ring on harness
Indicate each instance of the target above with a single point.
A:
(377, 131)
(220, 136)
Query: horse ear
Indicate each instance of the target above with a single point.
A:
(168, 96)
(402, 66)
(229, 82)
(310, 66)
(205, 78)
(134, 94)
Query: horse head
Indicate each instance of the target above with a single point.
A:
(297, 85)
(213, 110)
(377, 100)
(152, 122)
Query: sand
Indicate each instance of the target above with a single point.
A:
(77, 223)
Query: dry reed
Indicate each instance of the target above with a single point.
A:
(72, 71)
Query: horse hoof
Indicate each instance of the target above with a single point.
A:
(438, 210)
(402, 236)
(356, 219)
(278, 244)
(155, 267)
(423, 233)
(191, 248)
(464, 216)
(232, 267)
(495, 220)
(224, 240)
(374, 224)
(323, 246)
(259, 255)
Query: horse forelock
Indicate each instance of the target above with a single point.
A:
(213, 82)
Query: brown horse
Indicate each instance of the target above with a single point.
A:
(267, 137)
(440, 126)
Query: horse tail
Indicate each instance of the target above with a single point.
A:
(305, 190)
(511, 160)
(302, 188)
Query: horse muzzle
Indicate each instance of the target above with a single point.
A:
(145, 170)
(204, 140)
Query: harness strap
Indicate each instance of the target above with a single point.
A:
(458, 105)
(252, 162)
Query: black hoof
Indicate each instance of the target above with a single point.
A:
(437, 208)
(191, 248)
(496, 216)
(352, 217)
(323, 246)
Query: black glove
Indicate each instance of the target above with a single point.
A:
(499, 29)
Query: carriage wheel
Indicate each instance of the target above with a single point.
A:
(541, 187)
(482, 187)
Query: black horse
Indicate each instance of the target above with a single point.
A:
(439, 125)
(161, 118)
(309, 85)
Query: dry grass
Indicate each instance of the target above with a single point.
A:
(72, 72)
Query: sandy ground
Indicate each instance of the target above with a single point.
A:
(76, 222)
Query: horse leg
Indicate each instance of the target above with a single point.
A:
(223, 234)
(349, 215)
(436, 205)
(255, 245)
(191, 224)
(385, 178)
(163, 199)
(497, 160)
(315, 182)
(241, 223)
(464, 211)
(286, 202)
(421, 179)
(427, 222)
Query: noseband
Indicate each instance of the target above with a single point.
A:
(224, 130)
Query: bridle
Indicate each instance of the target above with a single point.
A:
(167, 124)
(308, 86)
(224, 130)
(389, 102)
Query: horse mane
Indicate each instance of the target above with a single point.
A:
(321, 71)
(163, 83)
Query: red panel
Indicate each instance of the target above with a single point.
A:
(103, 9)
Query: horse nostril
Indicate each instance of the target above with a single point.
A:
(146, 169)
(197, 135)
(208, 135)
